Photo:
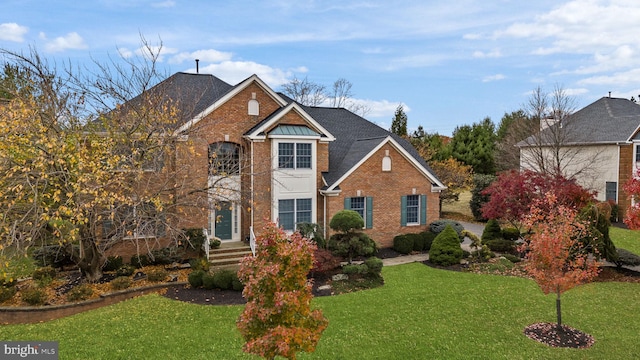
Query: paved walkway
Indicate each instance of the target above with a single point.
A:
(475, 228)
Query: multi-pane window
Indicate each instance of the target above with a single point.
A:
(413, 209)
(363, 205)
(224, 159)
(357, 205)
(294, 211)
(134, 221)
(294, 156)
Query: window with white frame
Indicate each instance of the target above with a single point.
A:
(413, 209)
(363, 205)
(294, 156)
(294, 211)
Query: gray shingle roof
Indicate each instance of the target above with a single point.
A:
(607, 120)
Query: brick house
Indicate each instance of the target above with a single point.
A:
(601, 147)
(268, 158)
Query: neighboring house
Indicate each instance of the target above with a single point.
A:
(268, 158)
(598, 145)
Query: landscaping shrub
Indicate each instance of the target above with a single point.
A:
(194, 238)
(374, 266)
(352, 269)
(346, 221)
(113, 263)
(33, 296)
(120, 283)
(627, 258)
(208, 282)
(80, 292)
(157, 275)
(6, 293)
(514, 259)
(214, 243)
(501, 245)
(52, 255)
(125, 270)
(140, 261)
(324, 260)
(428, 239)
(418, 241)
(491, 231)
(165, 256)
(313, 232)
(403, 244)
(200, 264)
(195, 278)
(438, 226)
(46, 272)
(511, 233)
(446, 249)
(351, 245)
(482, 254)
(223, 279)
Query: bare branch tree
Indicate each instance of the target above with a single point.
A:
(305, 92)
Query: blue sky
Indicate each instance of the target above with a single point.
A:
(449, 63)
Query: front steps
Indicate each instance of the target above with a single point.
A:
(228, 255)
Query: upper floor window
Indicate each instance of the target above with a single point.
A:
(294, 156)
(224, 159)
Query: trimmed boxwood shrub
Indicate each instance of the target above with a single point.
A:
(80, 292)
(351, 269)
(514, 259)
(403, 244)
(208, 282)
(33, 296)
(428, 239)
(237, 285)
(125, 270)
(166, 256)
(194, 238)
(491, 231)
(42, 273)
(157, 275)
(195, 278)
(6, 293)
(511, 233)
(438, 226)
(140, 260)
(352, 245)
(223, 279)
(113, 263)
(446, 250)
(501, 245)
(120, 283)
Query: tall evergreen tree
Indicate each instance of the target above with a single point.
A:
(399, 122)
(475, 146)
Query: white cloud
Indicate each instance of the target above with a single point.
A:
(495, 77)
(72, 41)
(13, 32)
(235, 71)
(617, 79)
(486, 55)
(209, 55)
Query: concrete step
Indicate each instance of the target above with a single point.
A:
(228, 255)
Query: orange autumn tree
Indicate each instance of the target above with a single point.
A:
(278, 319)
(557, 260)
(632, 216)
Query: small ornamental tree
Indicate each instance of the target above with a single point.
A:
(350, 241)
(632, 215)
(278, 320)
(555, 256)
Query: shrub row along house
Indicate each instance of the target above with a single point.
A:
(263, 157)
(598, 145)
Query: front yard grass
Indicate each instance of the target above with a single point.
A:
(626, 239)
(420, 312)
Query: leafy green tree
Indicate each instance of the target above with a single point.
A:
(399, 122)
(350, 241)
(478, 197)
(513, 128)
(475, 146)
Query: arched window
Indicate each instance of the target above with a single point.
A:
(224, 159)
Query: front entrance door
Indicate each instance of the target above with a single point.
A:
(224, 221)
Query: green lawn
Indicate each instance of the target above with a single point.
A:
(626, 239)
(420, 313)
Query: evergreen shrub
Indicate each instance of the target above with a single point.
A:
(446, 250)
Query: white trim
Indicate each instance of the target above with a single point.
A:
(291, 107)
(237, 89)
(438, 185)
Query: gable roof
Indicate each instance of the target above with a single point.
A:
(605, 121)
(358, 139)
(258, 131)
(230, 93)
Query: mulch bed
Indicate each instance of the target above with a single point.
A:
(563, 336)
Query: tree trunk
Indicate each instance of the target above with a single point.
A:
(89, 260)
(558, 312)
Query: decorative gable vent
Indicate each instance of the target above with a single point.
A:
(386, 161)
(254, 106)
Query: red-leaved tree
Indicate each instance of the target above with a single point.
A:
(556, 258)
(278, 319)
(632, 216)
(513, 193)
